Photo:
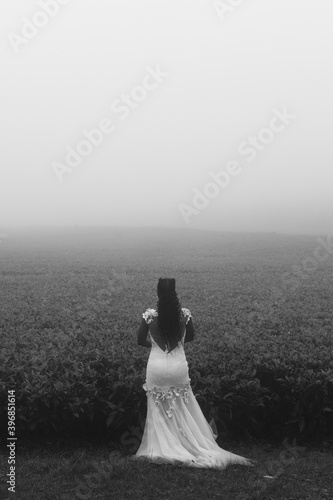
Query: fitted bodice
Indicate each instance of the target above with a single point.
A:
(166, 368)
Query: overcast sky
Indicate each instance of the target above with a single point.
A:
(181, 92)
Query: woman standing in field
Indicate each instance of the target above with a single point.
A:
(176, 431)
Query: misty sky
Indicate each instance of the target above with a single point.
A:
(180, 90)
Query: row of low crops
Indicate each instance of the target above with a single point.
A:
(68, 324)
(74, 381)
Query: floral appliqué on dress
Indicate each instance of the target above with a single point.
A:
(150, 314)
(162, 393)
(187, 314)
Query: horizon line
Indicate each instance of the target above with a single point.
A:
(128, 227)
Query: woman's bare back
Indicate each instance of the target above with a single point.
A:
(156, 334)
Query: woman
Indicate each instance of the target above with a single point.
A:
(176, 430)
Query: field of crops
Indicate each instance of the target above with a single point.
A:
(71, 302)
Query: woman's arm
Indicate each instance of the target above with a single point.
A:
(142, 334)
(189, 331)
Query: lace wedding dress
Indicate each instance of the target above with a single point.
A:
(176, 431)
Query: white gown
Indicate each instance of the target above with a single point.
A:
(176, 431)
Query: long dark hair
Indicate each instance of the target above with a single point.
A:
(169, 311)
